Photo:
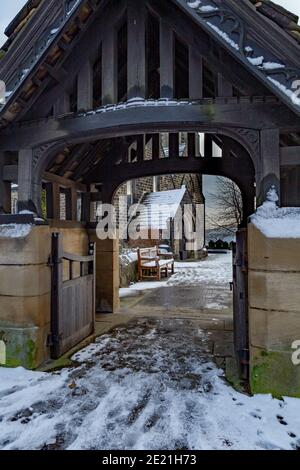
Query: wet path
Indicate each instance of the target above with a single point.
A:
(151, 384)
(199, 285)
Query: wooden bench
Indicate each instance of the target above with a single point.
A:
(152, 264)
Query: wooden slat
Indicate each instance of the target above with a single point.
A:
(166, 60)
(240, 302)
(77, 258)
(10, 173)
(73, 301)
(290, 156)
(195, 74)
(136, 49)
(64, 182)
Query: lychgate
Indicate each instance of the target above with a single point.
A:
(90, 86)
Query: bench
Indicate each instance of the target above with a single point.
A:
(152, 264)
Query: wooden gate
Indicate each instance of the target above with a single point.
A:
(240, 303)
(72, 298)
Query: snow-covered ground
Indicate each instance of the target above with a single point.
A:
(151, 384)
(216, 270)
(148, 385)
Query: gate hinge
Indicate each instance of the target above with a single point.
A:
(244, 356)
(50, 262)
(52, 339)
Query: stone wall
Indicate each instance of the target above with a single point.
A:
(274, 313)
(128, 271)
(25, 298)
(25, 293)
(107, 274)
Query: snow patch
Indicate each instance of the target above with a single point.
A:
(256, 60)
(272, 66)
(194, 4)
(224, 35)
(290, 93)
(128, 256)
(215, 270)
(15, 230)
(148, 385)
(275, 222)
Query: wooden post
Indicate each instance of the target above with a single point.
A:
(86, 207)
(53, 200)
(74, 198)
(166, 60)
(140, 148)
(5, 187)
(62, 105)
(173, 145)
(109, 65)
(191, 144)
(270, 164)
(85, 87)
(208, 146)
(155, 146)
(25, 175)
(56, 298)
(136, 49)
(225, 89)
(69, 212)
(49, 200)
(29, 191)
(195, 74)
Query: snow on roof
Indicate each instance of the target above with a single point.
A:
(271, 67)
(156, 209)
(275, 222)
(206, 8)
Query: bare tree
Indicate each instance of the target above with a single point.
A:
(229, 205)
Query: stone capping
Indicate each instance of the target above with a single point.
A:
(274, 313)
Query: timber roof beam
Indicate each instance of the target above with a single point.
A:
(114, 121)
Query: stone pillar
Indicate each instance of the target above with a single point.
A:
(25, 298)
(274, 313)
(5, 187)
(107, 274)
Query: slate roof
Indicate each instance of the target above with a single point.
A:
(281, 16)
(20, 21)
